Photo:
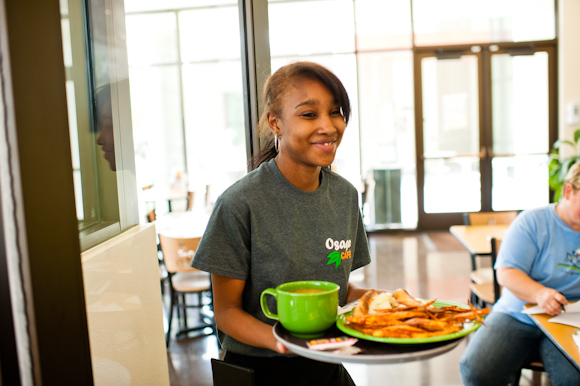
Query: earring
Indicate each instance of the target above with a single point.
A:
(276, 143)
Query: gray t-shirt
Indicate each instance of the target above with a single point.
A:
(267, 232)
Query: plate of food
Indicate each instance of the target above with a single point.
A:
(399, 318)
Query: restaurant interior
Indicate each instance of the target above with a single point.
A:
(123, 121)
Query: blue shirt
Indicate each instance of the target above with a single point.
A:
(541, 245)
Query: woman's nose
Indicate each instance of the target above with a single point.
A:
(327, 125)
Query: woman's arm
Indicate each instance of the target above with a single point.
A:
(354, 293)
(231, 318)
(529, 290)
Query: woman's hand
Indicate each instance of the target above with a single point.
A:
(354, 293)
(550, 300)
(281, 349)
(231, 318)
(529, 290)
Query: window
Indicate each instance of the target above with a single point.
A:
(96, 91)
(187, 101)
(446, 22)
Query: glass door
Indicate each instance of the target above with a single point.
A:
(485, 121)
(523, 127)
(448, 136)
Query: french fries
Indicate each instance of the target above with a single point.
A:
(412, 319)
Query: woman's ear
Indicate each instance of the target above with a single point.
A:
(273, 123)
(568, 189)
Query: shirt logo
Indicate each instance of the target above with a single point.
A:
(572, 260)
(336, 256)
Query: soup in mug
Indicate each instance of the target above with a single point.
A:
(307, 290)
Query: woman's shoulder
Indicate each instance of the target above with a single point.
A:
(542, 214)
(532, 221)
(338, 181)
(248, 183)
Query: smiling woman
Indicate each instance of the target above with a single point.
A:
(290, 219)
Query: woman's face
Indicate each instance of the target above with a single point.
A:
(311, 125)
(569, 208)
(106, 139)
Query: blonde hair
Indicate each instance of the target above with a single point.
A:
(573, 177)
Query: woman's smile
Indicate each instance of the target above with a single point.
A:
(326, 146)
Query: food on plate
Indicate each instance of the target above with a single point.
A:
(374, 302)
(400, 315)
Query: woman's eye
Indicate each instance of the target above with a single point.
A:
(336, 112)
(309, 115)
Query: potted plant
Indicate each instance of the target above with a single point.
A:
(558, 167)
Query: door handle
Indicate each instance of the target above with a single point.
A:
(485, 152)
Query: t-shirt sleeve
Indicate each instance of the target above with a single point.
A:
(225, 246)
(362, 255)
(519, 247)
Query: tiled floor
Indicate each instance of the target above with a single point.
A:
(426, 265)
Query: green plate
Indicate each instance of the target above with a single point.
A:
(468, 328)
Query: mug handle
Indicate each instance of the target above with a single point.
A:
(264, 304)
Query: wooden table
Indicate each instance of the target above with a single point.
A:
(182, 224)
(560, 335)
(476, 238)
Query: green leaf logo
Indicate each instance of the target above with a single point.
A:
(334, 257)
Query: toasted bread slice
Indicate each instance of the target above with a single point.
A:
(403, 297)
(362, 307)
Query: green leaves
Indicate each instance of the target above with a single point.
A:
(558, 168)
(335, 258)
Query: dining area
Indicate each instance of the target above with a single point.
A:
(429, 265)
(73, 228)
(461, 270)
(424, 268)
(412, 261)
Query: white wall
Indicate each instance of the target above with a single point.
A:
(568, 64)
(124, 310)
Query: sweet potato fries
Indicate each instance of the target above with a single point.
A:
(416, 320)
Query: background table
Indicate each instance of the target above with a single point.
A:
(476, 238)
(182, 224)
(560, 335)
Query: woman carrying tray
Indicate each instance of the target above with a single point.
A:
(291, 218)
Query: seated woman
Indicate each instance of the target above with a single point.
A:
(537, 263)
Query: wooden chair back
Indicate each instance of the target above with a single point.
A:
(490, 218)
(151, 216)
(190, 197)
(495, 244)
(178, 252)
(486, 292)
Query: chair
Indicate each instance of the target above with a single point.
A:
(484, 274)
(537, 368)
(151, 216)
(486, 293)
(225, 374)
(183, 279)
(190, 197)
(489, 218)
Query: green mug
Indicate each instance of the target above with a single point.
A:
(305, 308)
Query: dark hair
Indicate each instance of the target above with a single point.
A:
(273, 95)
